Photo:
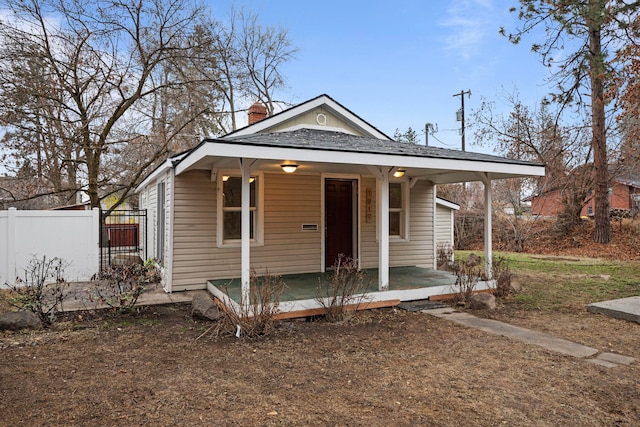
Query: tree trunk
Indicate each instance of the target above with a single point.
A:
(93, 168)
(602, 230)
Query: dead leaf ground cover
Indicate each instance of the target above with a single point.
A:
(386, 367)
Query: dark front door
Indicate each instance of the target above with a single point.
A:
(338, 219)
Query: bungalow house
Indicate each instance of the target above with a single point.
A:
(624, 195)
(291, 192)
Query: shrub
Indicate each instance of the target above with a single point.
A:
(468, 272)
(444, 255)
(42, 289)
(502, 275)
(258, 317)
(120, 286)
(344, 292)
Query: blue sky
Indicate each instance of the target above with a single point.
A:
(398, 63)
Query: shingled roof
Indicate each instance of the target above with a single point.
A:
(314, 139)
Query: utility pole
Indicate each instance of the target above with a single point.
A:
(460, 115)
(429, 127)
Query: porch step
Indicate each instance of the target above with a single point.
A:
(420, 305)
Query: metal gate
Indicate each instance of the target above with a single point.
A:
(123, 237)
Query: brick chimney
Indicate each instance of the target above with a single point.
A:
(257, 112)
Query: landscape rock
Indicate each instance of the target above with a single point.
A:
(15, 321)
(203, 307)
(482, 301)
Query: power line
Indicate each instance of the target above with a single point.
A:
(461, 118)
(438, 139)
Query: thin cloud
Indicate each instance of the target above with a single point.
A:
(468, 23)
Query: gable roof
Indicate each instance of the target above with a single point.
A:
(313, 139)
(322, 100)
(320, 149)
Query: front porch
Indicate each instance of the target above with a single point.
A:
(300, 295)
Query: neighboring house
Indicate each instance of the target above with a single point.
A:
(291, 192)
(624, 194)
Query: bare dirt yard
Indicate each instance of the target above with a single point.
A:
(385, 367)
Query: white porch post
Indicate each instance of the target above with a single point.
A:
(434, 227)
(488, 251)
(382, 176)
(383, 212)
(245, 221)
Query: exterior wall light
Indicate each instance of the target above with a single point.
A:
(399, 173)
(289, 168)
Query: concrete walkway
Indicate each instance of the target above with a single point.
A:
(81, 296)
(624, 308)
(546, 341)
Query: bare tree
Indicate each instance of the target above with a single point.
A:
(535, 135)
(628, 83)
(94, 94)
(98, 65)
(264, 50)
(583, 31)
(250, 58)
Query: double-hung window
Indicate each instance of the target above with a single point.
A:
(230, 209)
(395, 209)
(398, 210)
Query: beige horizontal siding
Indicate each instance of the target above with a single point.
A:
(368, 244)
(443, 224)
(194, 222)
(290, 201)
(418, 250)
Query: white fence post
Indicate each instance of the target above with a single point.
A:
(95, 236)
(11, 245)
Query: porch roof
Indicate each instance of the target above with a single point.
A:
(331, 151)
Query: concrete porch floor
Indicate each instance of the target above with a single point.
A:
(305, 286)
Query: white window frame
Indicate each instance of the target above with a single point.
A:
(258, 225)
(404, 211)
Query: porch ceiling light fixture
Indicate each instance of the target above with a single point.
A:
(399, 173)
(289, 167)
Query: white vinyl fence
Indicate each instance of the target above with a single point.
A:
(72, 236)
